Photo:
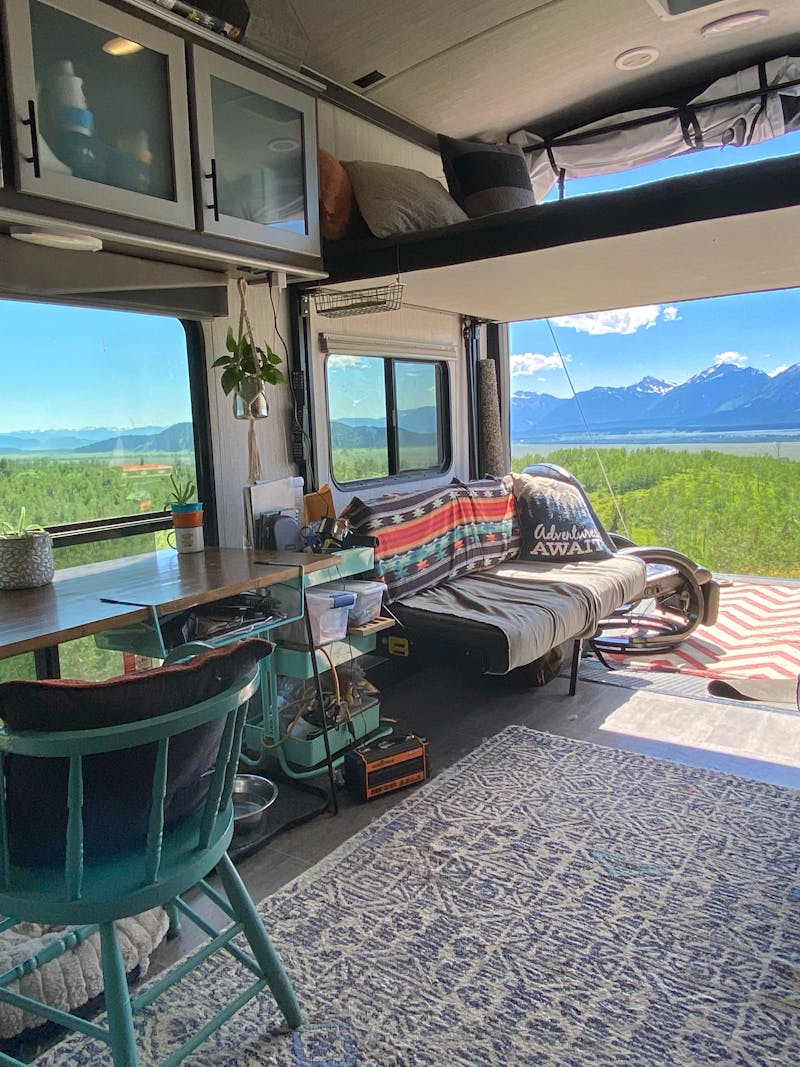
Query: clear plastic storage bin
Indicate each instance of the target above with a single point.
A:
(369, 596)
(328, 612)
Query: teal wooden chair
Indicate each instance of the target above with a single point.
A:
(160, 856)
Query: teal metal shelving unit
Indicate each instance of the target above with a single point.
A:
(298, 757)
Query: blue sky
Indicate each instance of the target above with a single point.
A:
(669, 341)
(69, 368)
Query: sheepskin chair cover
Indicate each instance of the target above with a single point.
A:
(76, 976)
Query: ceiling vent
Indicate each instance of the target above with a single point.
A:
(670, 9)
(366, 80)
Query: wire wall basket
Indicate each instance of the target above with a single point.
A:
(336, 304)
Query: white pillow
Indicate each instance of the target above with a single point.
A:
(397, 200)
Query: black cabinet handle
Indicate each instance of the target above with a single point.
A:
(34, 156)
(214, 205)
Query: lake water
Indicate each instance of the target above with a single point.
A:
(779, 445)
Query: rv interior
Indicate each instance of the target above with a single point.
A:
(215, 227)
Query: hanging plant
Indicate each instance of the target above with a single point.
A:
(247, 368)
(245, 360)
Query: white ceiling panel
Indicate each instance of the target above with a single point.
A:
(350, 38)
(464, 67)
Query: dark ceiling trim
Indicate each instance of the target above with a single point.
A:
(740, 190)
(376, 114)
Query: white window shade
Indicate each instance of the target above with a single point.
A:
(346, 345)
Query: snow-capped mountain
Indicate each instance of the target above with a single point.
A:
(721, 397)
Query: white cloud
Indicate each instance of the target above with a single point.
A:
(535, 362)
(623, 320)
(779, 370)
(341, 362)
(736, 358)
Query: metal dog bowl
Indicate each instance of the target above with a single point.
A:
(252, 795)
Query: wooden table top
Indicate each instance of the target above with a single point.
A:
(84, 600)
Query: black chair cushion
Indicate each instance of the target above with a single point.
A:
(117, 785)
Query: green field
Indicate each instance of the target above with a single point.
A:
(735, 514)
(355, 464)
(57, 489)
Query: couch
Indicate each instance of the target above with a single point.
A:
(505, 569)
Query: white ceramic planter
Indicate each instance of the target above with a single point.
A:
(26, 562)
(250, 399)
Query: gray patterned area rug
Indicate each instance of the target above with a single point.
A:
(545, 902)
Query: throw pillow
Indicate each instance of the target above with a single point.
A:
(396, 200)
(116, 784)
(556, 520)
(484, 178)
(337, 204)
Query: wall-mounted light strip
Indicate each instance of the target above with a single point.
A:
(64, 239)
(121, 46)
(731, 23)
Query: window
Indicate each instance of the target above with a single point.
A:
(688, 412)
(95, 412)
(95, 415)
(387, 416)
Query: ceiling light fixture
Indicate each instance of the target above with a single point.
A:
(74, 242)
(636, 58)
(121, 46)
(730, 23)
(283, 144)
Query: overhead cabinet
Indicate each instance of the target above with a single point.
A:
(100, 109)
(258, 155)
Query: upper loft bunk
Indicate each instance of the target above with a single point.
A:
(735, 219)
(711, 234)
(533, 79)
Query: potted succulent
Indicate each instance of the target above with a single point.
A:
(26, 555)
(187, 513)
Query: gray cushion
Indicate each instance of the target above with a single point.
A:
(485, 178)
(396, 200)
(515, 612)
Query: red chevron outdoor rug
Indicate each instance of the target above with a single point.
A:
(757, 635)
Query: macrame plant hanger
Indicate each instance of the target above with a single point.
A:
(253, 455)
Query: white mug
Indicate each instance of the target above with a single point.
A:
(187, 539)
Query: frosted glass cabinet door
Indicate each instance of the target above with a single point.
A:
(258, 155)
(100, 109)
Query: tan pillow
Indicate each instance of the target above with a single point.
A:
(399, 200)
(337, 204)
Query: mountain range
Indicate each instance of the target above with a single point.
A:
(723, 397)
(70, 440)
